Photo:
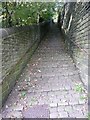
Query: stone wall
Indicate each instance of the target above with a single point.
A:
(18, 45)
(76, 30)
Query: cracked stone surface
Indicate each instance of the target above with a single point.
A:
(49, 79)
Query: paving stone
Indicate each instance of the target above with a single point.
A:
(54, 115)
(49, 78)
(51, 94)
(61, 94)
(61, 108)
(63, 102)
(42, 101)
(53, 109)
(55, 87)
(82, 108)
(73, 102)
(63, 114)
(72, 99)
(76, 114)
(68, 108)
(17, 107)
(53, 104)
(68, 87)
(14, 114)
(39, 111)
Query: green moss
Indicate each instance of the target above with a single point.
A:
(88, 116)
(79, 88)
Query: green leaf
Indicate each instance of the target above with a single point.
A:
(23, 93)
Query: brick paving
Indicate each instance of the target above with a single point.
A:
(50, 85)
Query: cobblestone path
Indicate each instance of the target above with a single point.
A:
(50, 86)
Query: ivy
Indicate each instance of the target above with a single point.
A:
(19, 14)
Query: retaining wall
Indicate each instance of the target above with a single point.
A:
(75, 22)
(18, 45)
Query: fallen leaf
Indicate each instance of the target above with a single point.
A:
(35, 80)
(6, 106)
(39, 70)
(33, 64)
(39, 59)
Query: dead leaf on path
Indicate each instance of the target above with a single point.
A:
(35, 80)
(25, 107)
(29, 79)
(39, 59)
(24, 88)
(33, 86)
(39, 71)
(25, 80)
(33, 64)
(15, 103)
(35, 73)
(31, 73)
(25, 102)
(16, 90)
(6, 106)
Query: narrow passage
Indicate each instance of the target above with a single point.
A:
(50, 85)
